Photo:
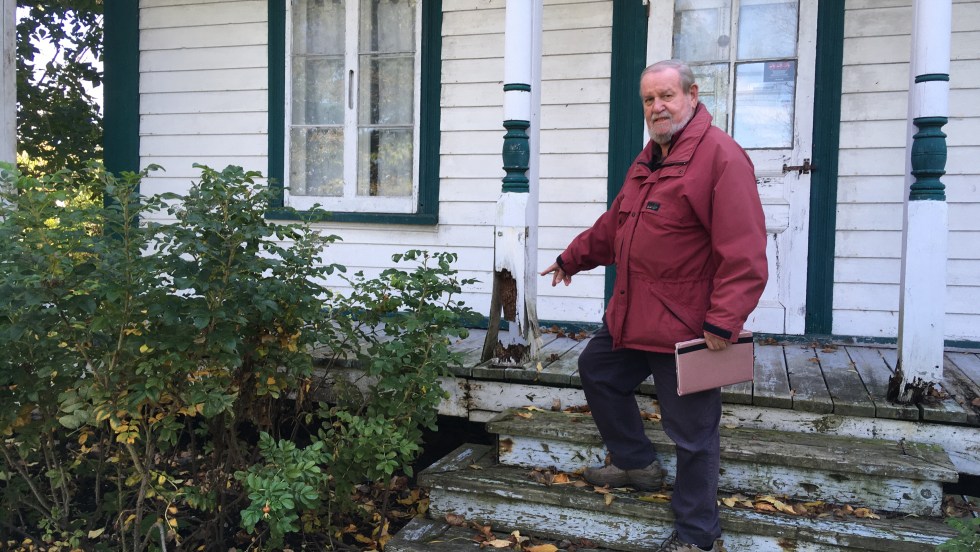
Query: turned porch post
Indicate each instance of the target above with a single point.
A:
(922, 304)
(516, 232)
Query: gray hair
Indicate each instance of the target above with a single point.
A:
(683, 69)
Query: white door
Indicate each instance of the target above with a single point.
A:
(754, 62)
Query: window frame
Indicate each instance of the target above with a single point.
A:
(427, 205)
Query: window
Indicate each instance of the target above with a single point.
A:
(359, 118)
(758, 55)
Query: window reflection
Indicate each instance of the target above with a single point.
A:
(764, 99)
(749, 89)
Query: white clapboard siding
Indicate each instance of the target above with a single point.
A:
(155, 15)
(203, 88)
(484, 190)
(960, 272)
(205, 81)
(870, 189)
(867, 297)
(885, 77)
(221, 101)
(876, 216)
(244, 34)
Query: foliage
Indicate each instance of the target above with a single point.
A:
(59, 122)
(290, 479)
(144, 361)
(968, 539)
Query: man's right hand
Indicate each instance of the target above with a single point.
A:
(559, 275)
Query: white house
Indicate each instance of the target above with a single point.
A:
(389, 113)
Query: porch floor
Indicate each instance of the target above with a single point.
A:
(820, 378)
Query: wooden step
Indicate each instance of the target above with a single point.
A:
(469, 483)
(899, 477)
(429, 535)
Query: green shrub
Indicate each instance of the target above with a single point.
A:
(145, 360)
(968, 539)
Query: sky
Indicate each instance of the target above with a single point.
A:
(47, 51)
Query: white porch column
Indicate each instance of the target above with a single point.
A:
(922, 305)
(8, 82)
(516, 233)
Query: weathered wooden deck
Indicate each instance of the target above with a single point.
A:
(845, 380)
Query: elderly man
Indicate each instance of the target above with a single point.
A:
(688, 238)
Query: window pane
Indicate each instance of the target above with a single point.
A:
(713, 91)
(384, 162)
(316, 162)
(767, 29)
(764, 95)
(318, 26)
(318, 91)
(386, 91)
(387, 26)
(701, 30)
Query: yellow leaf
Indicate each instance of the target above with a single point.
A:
(362, 538)
(525, 415)
(82, 438)
(561, 479)
(865, 513)
(499, 543)
(172, 522)
(270, 381)
(172, 510)
(609, 498)
(655, 497)
(161, 479)
(542, 548)
(94, 534)
(730, 502)
(455, 520)
(785, 508)
(145, 349)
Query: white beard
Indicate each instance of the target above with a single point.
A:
(665, 137)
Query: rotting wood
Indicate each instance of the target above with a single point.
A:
(506, 498)
(770, 382)
(806, 381)
(846, 389)
(875, 373)
(874, 473)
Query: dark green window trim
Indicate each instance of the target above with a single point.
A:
(629, 53)
(427, 212)
(121, 81)
(823, 182)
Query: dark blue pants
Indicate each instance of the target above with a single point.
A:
(609, 378)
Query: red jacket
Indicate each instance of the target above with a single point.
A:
(688, 237)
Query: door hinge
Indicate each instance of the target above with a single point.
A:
(805, 168)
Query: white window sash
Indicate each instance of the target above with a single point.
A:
(350, 202)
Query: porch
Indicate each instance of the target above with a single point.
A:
(813, 427)
(813, 378)
(835, 389)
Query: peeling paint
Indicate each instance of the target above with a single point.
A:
(826, 424)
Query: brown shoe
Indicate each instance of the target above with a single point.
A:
(674, 544)
(650, 478)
